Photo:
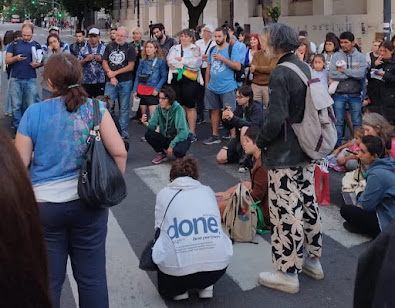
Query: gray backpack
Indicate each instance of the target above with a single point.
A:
(316, 133)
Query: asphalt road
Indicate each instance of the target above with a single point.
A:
(131, 226)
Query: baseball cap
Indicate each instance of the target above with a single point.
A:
(94, 31)
(53, 28)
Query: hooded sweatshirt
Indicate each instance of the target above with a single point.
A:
(171, 119)
(191, 238)
(379, 194)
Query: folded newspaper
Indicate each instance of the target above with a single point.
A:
(37, 54)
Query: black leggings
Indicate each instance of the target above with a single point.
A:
(170, 286)
(160, 144)
(365, 221)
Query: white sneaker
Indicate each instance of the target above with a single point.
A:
(279, 281)
(207, 292)
(314, 270)
(181, 297)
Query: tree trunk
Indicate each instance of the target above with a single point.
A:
(88, 14)
(194, 12)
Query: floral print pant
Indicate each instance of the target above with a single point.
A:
(294, 215)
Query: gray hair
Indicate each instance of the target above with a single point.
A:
(208, 27)
(125, 29)
(382, 127)
(281, 38)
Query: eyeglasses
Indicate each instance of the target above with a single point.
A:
(162, 98)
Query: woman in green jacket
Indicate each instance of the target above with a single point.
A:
(173, 137)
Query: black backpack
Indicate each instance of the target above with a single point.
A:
(239, 75)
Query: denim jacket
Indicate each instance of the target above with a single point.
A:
(158, 76)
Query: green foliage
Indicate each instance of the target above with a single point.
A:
(76, 7)
(274, 12)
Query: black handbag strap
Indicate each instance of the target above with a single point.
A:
(96, 112)
(168, 207)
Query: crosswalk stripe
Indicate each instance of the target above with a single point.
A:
(128, 286)
(332, 226)
(248, 260)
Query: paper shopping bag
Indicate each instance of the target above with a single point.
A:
(321, 185)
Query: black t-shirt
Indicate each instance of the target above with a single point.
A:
(119, 57)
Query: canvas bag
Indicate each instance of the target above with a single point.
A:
(240, 218)
(316, 133)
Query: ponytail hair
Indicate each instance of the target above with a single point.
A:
(64, 74)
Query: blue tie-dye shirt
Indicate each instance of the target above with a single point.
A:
(93, 70)
(59, 138)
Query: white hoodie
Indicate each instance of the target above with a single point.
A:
(191, 238)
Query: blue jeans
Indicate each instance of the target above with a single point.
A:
(72, 228)
(122, 91)
(7, 105)
(23, 93)
(355, 104)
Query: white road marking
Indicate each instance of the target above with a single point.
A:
(128, 286)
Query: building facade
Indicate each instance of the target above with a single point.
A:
(362, 17)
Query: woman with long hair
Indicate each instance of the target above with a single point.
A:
(384, 89)
(304, 52)
(57, 130)
(150, 76)
(54, 46)
(253, 47)
(23, 260)
(376, 205)
(375, 124)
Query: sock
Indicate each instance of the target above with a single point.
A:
(311, 261)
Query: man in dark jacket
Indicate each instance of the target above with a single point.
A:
(165, 42)
(293, 208)
(247, 113)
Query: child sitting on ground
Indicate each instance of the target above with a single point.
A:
(319, 70)
(345, 157)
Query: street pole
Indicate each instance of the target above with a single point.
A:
(387, 20)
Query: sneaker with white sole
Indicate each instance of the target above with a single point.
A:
(279, 281)
(207, 292)
(313, 270)
(181, 297)
(211, 140)
(160, 158)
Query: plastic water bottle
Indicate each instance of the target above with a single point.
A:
(242, 214)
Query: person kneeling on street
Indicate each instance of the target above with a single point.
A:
(247, 113)
(258, 186)
(192, 251)
(173, 137)
(376, 206)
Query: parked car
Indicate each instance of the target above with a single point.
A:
(15, 19)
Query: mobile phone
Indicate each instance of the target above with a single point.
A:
(22, 55)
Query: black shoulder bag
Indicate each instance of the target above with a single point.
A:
(143, 78)
(101, 183)
(146, 262)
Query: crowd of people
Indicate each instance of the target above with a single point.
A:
(236, 78)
